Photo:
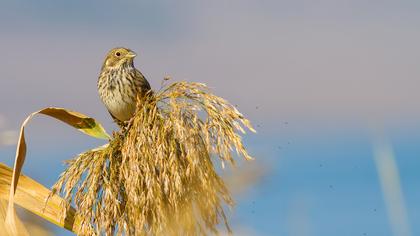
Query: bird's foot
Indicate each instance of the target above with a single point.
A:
(125, 126)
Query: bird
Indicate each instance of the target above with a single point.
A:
(120, 84)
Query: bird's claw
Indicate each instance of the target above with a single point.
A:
(125, 126)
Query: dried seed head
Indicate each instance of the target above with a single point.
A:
(159, 178)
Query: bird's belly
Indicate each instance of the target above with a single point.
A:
(121, 105)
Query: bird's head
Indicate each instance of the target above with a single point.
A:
(119, 57)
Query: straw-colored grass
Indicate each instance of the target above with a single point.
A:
(157, 177)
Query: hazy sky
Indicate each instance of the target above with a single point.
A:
(312, 75)
(333, 61)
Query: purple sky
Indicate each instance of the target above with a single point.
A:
(351, 61)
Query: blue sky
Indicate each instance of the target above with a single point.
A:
(317, 78)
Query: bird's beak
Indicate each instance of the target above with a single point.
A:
(131, 54)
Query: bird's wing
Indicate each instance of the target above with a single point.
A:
(144, 84)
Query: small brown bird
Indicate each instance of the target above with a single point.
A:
(120, 83)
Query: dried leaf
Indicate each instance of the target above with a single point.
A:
(15, 227)
(79, 121)
(32, 196)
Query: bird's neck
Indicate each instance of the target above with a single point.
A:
(120, 68)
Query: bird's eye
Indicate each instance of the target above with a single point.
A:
(118, 54)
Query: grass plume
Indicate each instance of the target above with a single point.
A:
(158, 176)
